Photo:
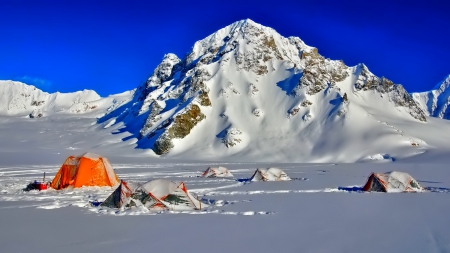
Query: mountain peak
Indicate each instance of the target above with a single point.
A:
(244, 23)
(444, 84)
(241, 36)
(244, 86)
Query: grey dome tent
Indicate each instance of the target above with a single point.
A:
(217, 172)
(271, 174)
(159, 194)
(392, 182)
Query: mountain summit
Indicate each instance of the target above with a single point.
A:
(247, 91)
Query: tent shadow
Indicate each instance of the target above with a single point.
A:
(244, 180)
(428, 182)
(438, 189)
(351, 189)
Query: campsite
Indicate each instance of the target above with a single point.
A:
(296, 209)
(225, 127)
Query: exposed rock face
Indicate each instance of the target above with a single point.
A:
(152, 118)
(258, 112)
(38, 103)
(306, 103)
(253, 90)
(435, 103)
(367, 81)
(316, 76)
(318, 72)
(36, 113)
(293, 111)
(180, 128)
(150, 91)
(345, 98)
(232, 137)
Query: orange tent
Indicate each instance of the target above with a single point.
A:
(86, 170)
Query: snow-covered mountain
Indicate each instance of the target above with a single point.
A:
(435, 103)
(246, 91)
(21, 99)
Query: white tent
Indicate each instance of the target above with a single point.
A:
(159, 194)
(217, 172)
(271, 174)
(393, 182)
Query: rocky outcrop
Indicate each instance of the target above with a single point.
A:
(180, 128)
(318, 73)
(154, 87)
(399, 96)
(232, 137)
(258, 112)
(36, 113)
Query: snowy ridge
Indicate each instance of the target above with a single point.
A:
(22, 100)
(248, 92)
(435, 103)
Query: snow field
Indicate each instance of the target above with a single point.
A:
(300, 215)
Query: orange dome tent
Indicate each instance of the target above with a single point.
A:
(86, 170)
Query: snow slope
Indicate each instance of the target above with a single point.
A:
(20, 99)
(435, 103)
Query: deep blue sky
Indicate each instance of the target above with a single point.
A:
(113, 46)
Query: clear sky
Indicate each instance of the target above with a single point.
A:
(113, 46)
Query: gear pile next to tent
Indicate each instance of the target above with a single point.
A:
(217, 172)
(393, 182)
(159, 194)
(86, 170)
(271, 174)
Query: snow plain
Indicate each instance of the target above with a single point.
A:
(309, 214)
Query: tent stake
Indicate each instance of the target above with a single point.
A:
(200, 203)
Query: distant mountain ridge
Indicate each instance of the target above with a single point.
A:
(435, 103)
(21, 99)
